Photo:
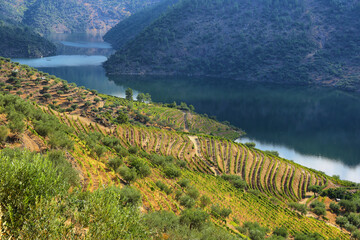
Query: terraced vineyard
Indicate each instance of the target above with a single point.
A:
(206, 158)
(225, 157)
(270, 175)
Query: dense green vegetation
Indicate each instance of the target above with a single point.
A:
(129, 28)
(20, 41)
(279, 41)
(71, 15)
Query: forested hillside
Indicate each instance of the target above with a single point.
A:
(19, 41)
(71, 15)
(129, 28)
(284, 41)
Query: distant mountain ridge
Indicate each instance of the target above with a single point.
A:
(284, 41)
(71, 15)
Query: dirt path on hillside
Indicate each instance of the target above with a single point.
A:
(29, 143)
(195, 141)
(186, 127)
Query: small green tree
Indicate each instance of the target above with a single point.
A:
(140, 97)
(115, 163)
(315, 189)
(342, 221)
(204, 201)
(250, 144)
(129, 175)
(122, 118)
(281, 231)
(147, 97)
(130, 196)
(187, 201)
(356, 234)
(129, 94)
(194, 218)
(335, 208)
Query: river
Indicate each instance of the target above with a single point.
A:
(316, 127)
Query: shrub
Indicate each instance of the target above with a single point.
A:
(99, 150)
(4, 132)
(130, 196)
(184, 183)
(354, 219)
(122, 151)
(204, 201)
(194, 218)
(171, 171)
(250, 144)
(187, 201)
(350, 227)
(17, 125)
(115, 163)
(122, 118)
(309, 236)
(349, 206)
(319, 211)
(110, 141)
(141, 167)
(157, 160)
(59, 140)
(61, 165)
(356, 234)
(193, 193)
(129, 175)
(316, 203)
(219, 212)
(341, 221)
(144, 170)
(178, 194)
(133, 150)
(253, 230)
(335, 208)
(161, 221)
(163, 187)
(315, 189)
(335, 193)
(41, 180)
(281, 231)
(299, 207)
(235, 180)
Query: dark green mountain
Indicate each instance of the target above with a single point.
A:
(20, 41)
(129, 28)
(284, 41)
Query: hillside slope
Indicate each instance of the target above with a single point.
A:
(172, 168)
(17, 41)
(129, 28)
(71, 15)
(298, 42)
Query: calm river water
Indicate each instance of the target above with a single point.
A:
(316, 127)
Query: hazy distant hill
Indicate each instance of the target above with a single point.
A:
(292, 41)
(71, 15)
